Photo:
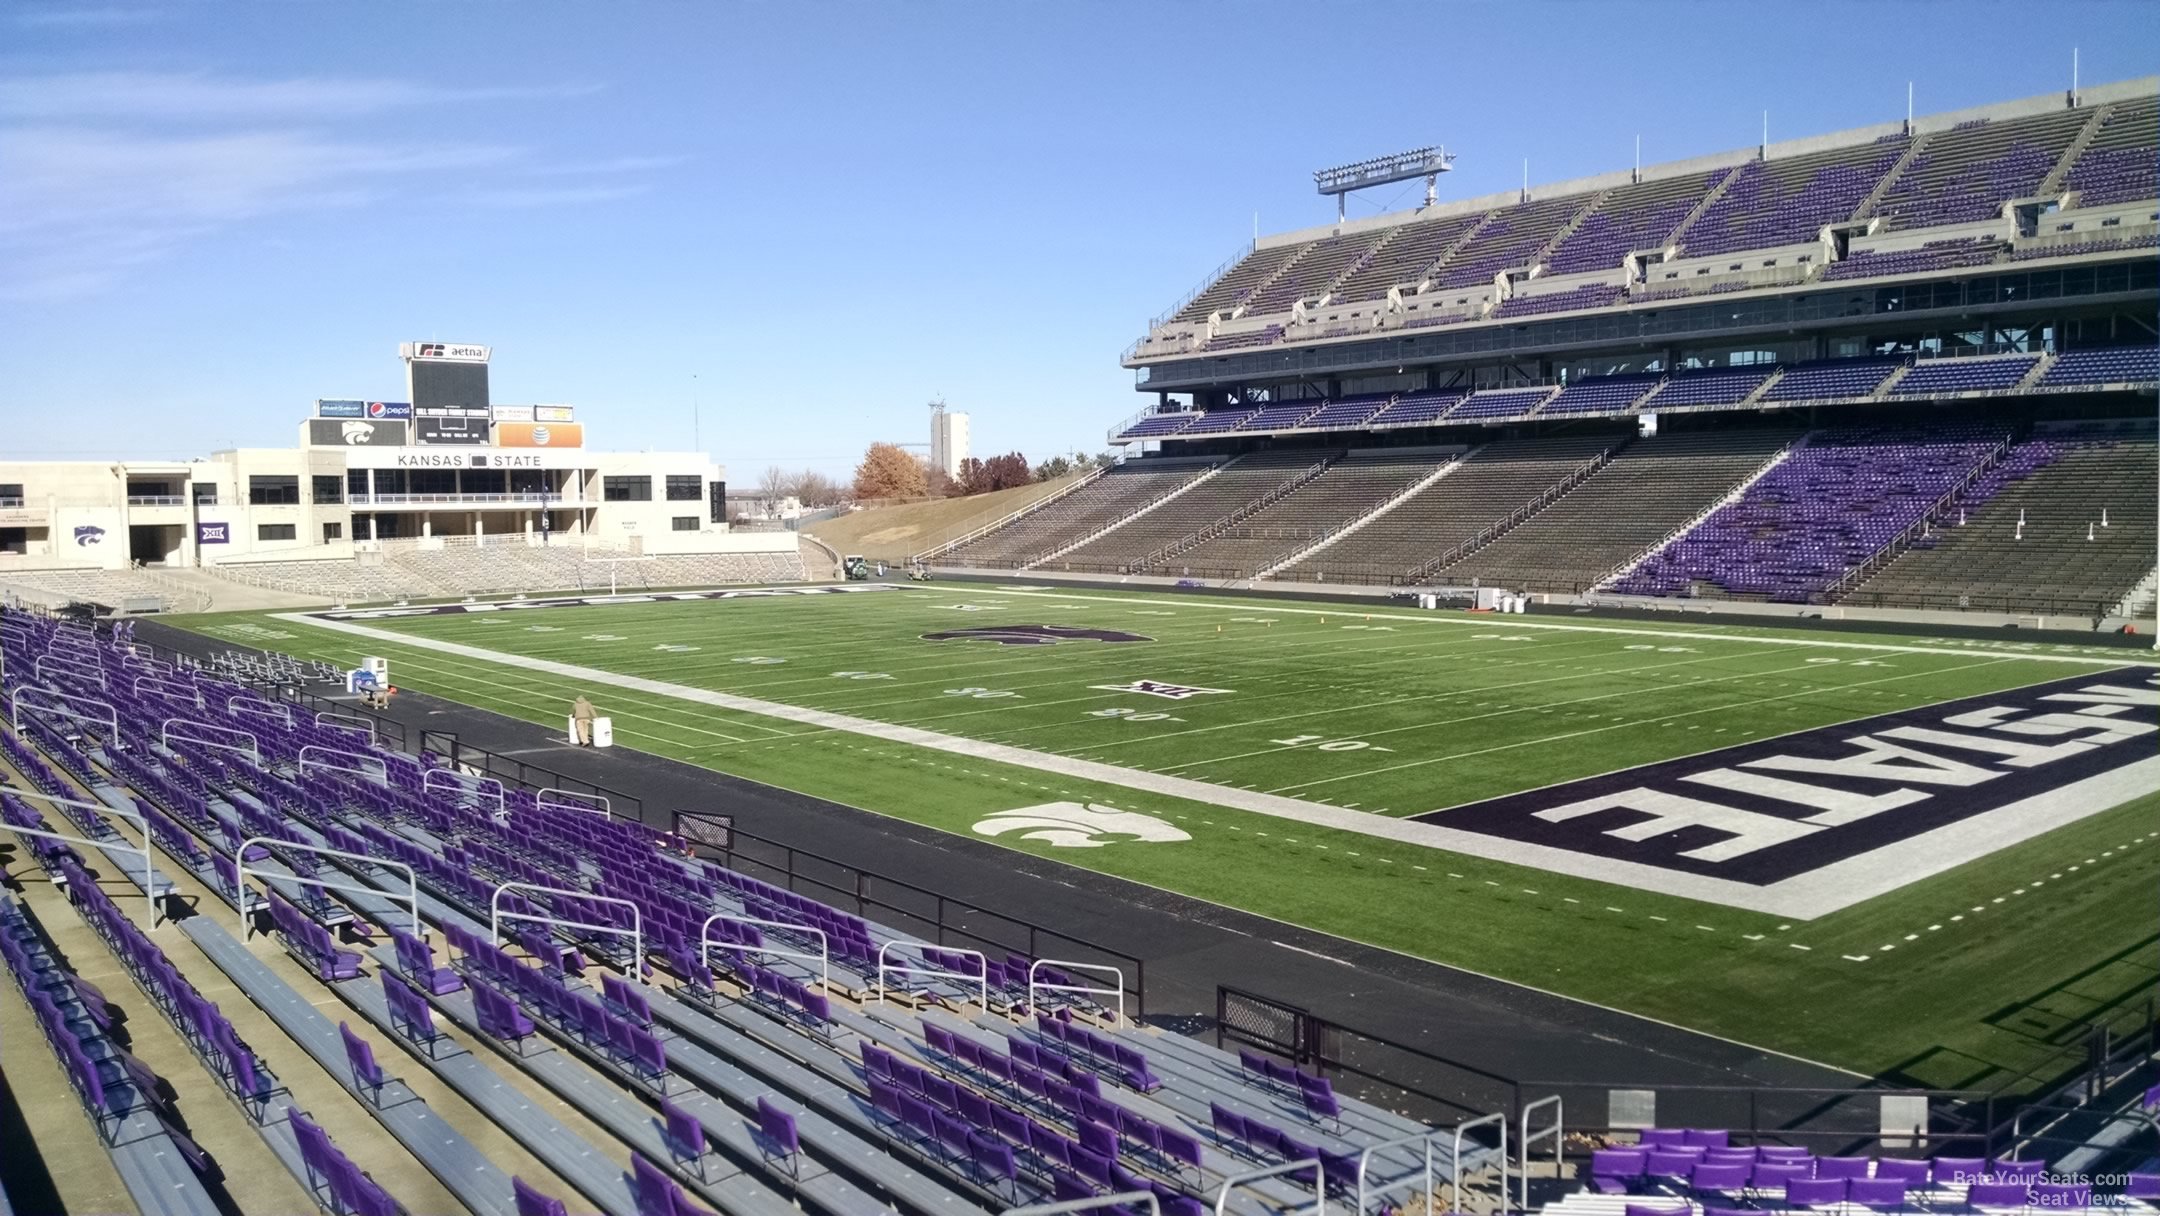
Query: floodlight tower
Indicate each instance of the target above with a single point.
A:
(1428, 163)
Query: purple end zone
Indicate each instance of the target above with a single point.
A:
(1764, 812)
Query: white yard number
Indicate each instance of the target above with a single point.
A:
(862, 675)
(1502, 637)
(1133, 715)
(761, 660)
(605, 637)
(979, 694)
(676, 648)
(543, 629)
(1665, 649)
(1337, 745)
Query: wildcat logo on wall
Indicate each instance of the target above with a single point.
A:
(89, 534)
(1073, 825)
(1032, 635)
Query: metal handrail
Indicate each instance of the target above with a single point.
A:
(884, 967)
(141, 822)
(1851, 579)
(1492, 532)
(242, 869)
(1319, 1207)
(823, 957)
(948, 546)
(636, 931)
(1304, 478)
(1731, 494)
(1118, 992)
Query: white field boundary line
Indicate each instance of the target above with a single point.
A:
(1614, 1009)
(1791, 902)
(2128, 658)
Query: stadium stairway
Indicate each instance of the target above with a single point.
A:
(1148, 535)
(2066, 523)
(1648, 489)
(1733, 495)
(1487, 486)
(1345, 529)
(1118, 496)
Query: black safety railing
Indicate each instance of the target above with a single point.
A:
(2025, 1111)
(916, 910)
(522, 774)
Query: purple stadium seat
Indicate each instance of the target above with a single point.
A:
(1816, 1192)
(1709, 1177)
(532, 1203)
(1876, 1192)
(366, 1074)
(1842, 1167)
(1772, 1175)
(1616, 1170)
(1996, 1195)
(1914, 1172)
(777, 1134)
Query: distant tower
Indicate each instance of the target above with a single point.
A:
(948, 438)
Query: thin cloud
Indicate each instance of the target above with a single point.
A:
(83, 18)
(610, 167)
(547, 196)
(166, 96)
(99, 179)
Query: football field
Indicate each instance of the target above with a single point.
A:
(1886, 853)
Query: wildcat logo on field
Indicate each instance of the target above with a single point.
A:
(1158, 688)
(1033, 635)
(1073, 825)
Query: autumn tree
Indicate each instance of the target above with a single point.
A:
(888, 471)
(1005, 472)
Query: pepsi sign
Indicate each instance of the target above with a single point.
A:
(388, 411)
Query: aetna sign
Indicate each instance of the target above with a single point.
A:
(1870, 804)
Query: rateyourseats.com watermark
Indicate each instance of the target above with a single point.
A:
(2034, 1181)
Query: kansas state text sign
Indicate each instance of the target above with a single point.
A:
(1861, 807)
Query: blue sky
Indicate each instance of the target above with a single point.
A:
(811, 218)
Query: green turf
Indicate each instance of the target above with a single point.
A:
(1464, 709)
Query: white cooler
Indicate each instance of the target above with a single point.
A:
(603, 731)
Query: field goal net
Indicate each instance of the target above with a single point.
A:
(616, 572)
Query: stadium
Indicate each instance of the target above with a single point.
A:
(1634, 696)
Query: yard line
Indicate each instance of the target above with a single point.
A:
(1597, 730)
(1501, 713)
(2126, 659)
(1684, 885)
